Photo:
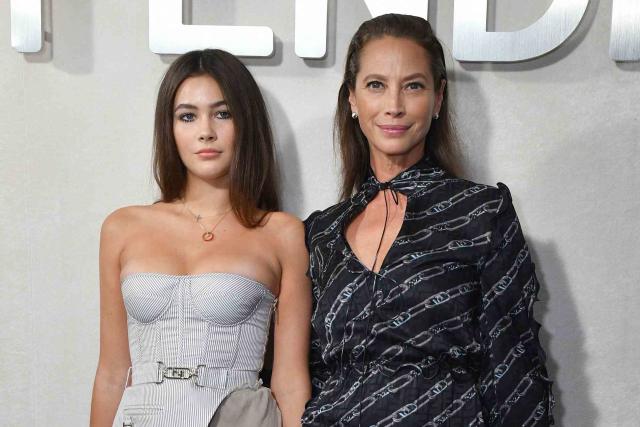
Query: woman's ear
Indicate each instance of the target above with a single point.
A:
(352, 101)
(439, 97)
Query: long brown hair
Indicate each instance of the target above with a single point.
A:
(441, 144)
(253, 172)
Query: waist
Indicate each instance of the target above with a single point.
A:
(201, 376)
(462, 369)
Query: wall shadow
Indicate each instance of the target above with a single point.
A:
(433, 15)
(46, 54)
(168, 58)
(187, 12)
(287, 157)
(628, 66)
(274, 60)
(470, 118)
(264, 61)
(554, 285)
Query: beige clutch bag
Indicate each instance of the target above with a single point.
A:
(248, 407)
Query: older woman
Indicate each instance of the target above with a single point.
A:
(423, 284)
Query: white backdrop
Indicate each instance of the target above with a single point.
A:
(75, 144)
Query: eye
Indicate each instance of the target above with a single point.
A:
(187, 117)
(415, 85)
(375, 84)
(223, 114)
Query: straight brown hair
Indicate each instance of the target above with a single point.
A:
(253, 173)
(440, 143)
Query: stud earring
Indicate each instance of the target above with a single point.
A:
(354, 115)
(436, 116)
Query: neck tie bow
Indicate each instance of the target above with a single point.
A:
(416, 177)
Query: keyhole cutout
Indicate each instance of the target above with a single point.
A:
(364, 232)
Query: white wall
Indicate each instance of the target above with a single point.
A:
(75, 137)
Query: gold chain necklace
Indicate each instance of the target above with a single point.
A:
(207, 236)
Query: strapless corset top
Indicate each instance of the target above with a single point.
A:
(211, 319)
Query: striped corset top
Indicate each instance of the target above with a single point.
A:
(216, 320)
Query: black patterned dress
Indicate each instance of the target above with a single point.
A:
(443, 334)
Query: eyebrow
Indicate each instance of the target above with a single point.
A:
(193, 107)
(410, 77)
(374, 76)
(415, 76)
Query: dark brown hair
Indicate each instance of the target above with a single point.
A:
(441, 145)
(252, 173)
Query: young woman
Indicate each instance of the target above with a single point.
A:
(188, 284)
(423, 284)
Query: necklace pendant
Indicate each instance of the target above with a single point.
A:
(207, 236)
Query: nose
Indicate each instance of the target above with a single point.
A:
(394, 103)
(207, 132)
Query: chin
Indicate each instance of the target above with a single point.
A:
(397, 148)
(211, 175)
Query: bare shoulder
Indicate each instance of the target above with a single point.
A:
(121, 218)
(284, 226)
(121, 221)
(283, 219)
(286, 232)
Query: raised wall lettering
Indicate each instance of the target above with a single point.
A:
(472, 42)
(167, 34)
(625, 31)
(311, 28)
(406, 7)
(26, 25)
(311, 21)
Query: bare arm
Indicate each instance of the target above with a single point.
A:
(114, 358)
(290, 381)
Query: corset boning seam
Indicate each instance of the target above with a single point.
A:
(240, 330)
(167, 306)
(205, 344)
(263, 292)
(181, 320)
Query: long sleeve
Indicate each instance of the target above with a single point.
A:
(317, 368)
(514, 387)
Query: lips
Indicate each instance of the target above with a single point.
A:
(208, 153)
(394, 130)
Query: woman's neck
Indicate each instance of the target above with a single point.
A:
(387, 167)
(207, 198)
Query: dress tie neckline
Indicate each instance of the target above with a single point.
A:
(407, 182)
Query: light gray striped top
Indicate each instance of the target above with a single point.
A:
(216, 321)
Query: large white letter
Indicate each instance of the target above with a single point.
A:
(167, 34)
(26, 25)
(311, 21)
(405, 7)
(311, 28)
(472, 42)
(625, 31)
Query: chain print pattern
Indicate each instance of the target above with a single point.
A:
(443, 334)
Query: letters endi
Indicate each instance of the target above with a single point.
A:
(471, 40)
